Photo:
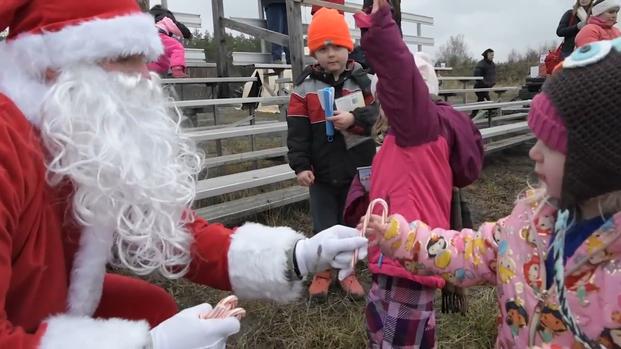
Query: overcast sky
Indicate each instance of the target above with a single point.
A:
(499, 24)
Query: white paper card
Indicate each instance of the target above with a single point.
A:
(350, 102)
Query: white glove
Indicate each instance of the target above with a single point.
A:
(333, 247)
(186, 330)
(581, 24)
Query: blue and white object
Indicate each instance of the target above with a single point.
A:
(326, 98)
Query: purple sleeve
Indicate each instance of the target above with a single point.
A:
(401, 90)
(465, 145)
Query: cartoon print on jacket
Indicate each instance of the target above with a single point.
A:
(551, 323)
(517, 317)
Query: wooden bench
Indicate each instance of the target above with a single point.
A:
(275, 100)
(239, 209)
(498, 90)
(208, 81)
(232, 132)
(216, 134)
(236, 209)
(501, 118)
(211, 84)
(465, 80)
(195, 58)
(491, 105)
(250, 103)
(190, 20)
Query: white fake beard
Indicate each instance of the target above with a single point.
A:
(121, 146)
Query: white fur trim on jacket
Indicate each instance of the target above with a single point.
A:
(258, 262)
(89, 270)
(603, 6)
(74, 332)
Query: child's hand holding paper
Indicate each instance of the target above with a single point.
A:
(342, 120)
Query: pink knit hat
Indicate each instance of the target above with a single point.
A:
(167, 25)
(546, 123)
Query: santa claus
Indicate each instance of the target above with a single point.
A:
(94, 170)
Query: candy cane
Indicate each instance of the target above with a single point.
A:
(225, 308)
(367, 218)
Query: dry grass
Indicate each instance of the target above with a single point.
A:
(339, 321)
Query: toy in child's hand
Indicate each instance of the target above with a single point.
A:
(225, 308)
(326, 98)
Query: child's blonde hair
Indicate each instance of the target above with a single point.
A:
(380, 127)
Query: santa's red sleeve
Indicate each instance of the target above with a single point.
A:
(16, 186)
(250, 260)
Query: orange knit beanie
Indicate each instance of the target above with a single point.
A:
(328, 27)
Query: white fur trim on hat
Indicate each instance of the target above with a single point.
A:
(602, 6)
(73, 332)
(25, 58)
(89, 41)
(258, 262)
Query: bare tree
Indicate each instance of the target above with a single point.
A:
(455, 52)
(514, 56)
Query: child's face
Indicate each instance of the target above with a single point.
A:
(549, 167)
(610, 16)
(332, 58)
(585, 3)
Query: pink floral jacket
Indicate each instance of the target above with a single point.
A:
(511, 254)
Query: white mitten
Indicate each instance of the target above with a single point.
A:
(333, 247)
(186, 330)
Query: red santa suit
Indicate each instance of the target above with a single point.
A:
(53, 281)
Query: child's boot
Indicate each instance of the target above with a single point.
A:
(352, 286)
(321, 284)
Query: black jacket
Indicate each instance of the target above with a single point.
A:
(486, 69)
(309, 149)
(568, 29)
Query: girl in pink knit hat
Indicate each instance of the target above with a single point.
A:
(556, 259)
(173, 58)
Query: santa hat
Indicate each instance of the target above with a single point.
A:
(601, 6)
(58, 33)
(168, 27)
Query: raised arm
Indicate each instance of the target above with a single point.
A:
(401, 90)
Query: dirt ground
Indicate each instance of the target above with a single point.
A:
(338, 322)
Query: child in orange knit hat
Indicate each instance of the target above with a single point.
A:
(328, 166)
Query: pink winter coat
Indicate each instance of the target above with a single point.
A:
(174, 52)
(430, 147)
(510, 254)
(596, 30)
